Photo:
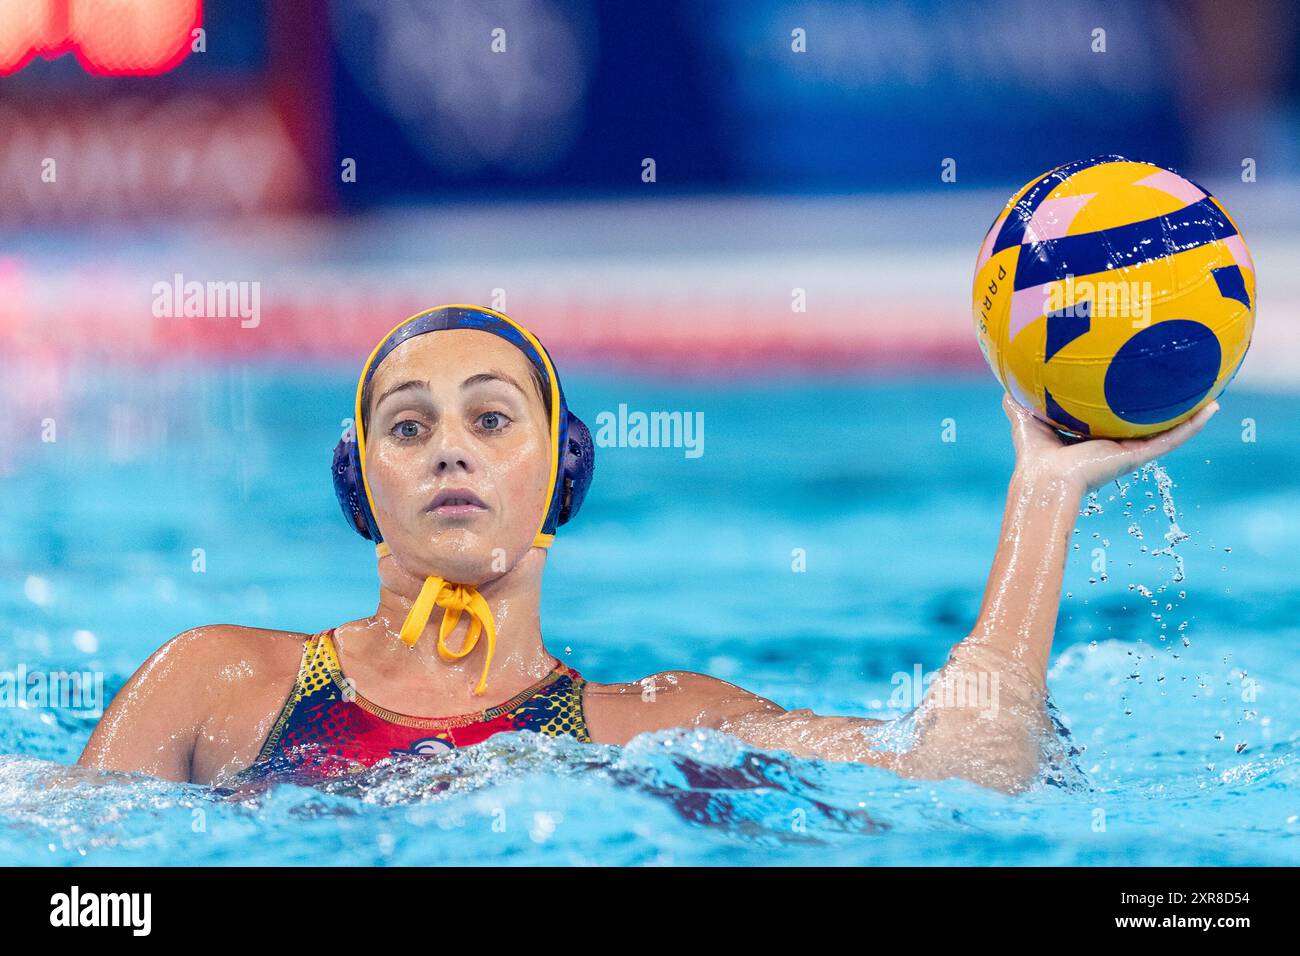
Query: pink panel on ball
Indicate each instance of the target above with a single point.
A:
(1026, 305)
(1174, 185)
(1052, 218)
(1240, 254)
(986, 250)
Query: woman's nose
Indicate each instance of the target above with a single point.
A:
(452, 451)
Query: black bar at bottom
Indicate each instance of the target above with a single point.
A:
(365, 905)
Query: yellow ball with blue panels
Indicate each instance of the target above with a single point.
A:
(1114, 298)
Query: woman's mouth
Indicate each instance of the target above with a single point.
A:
(457, 503)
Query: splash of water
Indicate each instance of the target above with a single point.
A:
(1134, 509)
(1175, 535)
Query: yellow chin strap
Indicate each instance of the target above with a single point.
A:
(454, 599)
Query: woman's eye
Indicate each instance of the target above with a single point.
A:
(407, 429)
(493, 421)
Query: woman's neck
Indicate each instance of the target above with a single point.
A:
(519, 657)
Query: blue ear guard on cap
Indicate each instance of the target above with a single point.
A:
(573, 459)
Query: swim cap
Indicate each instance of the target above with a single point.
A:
(572, 464)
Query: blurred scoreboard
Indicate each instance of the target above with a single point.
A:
(147, 109)
(107, 38)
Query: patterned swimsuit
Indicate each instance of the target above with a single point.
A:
(327, 729)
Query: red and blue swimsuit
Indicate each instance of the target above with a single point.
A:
(327, 729)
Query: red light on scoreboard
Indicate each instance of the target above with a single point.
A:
(108, 37)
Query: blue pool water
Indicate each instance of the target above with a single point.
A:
(1189, 733)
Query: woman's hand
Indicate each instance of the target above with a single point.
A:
(1041, 453)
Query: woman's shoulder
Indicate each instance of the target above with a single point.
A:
(617, 712)
(241, 677)
(205, 684)
(216, 661)
(218, 644)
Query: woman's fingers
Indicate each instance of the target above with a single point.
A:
(1144, 449)
(1026, 428)
(1097, 460)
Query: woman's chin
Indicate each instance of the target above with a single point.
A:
(466, 557)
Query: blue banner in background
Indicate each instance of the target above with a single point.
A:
(769, 95)
(480, 99)
(887, 91)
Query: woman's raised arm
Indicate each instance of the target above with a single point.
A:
(984, 717)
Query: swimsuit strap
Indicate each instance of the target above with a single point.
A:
(316, 668)
(320, 664)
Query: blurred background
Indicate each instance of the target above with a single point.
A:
(364, 159)
(652, 187)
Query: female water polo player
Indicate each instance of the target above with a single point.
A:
(464, 462)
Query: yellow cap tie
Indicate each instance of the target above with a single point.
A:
(453, 598)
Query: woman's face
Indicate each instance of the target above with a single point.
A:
(458, 455)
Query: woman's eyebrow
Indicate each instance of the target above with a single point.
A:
(492, 376)
(402, 386)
